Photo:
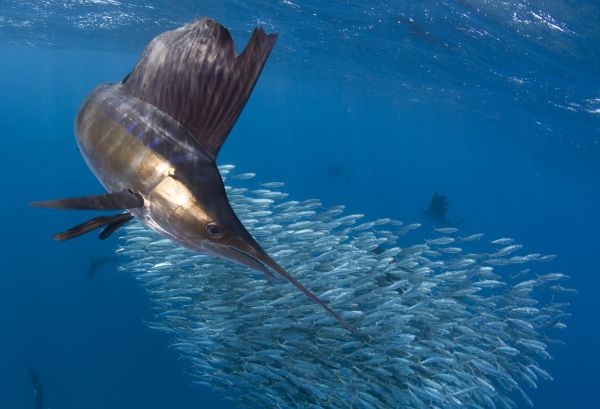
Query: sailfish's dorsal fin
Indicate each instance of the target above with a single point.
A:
(193, 75)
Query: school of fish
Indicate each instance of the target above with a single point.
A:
(455, 321)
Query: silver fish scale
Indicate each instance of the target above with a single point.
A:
(438, 328)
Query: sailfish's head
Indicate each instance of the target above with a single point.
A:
(193, 75)
(196, 212)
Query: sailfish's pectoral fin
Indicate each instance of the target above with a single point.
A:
(207, 90)
(112, 223)
(125, 199)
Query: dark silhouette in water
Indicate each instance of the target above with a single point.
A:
(415, 30)
(338, 174)
(38, 391)
(335, 170)
(96, 265)
(438, 206)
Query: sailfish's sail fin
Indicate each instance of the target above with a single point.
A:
(193, 75)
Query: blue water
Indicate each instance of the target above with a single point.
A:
(373, 106)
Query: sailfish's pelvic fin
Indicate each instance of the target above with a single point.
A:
(112, 223)
(112, 227)
(125, 199)
(205, 91)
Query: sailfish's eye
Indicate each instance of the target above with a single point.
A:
(214, 230)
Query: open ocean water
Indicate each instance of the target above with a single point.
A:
(372, 104)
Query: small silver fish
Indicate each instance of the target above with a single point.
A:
(472, 237)
(502, 241)
(446, 230)
(441, 241)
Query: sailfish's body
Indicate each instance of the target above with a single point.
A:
(152, 141)
(132, 146)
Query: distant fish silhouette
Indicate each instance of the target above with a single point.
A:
(415, 30)
(335, 170)
(38, 391)
(438, 206)
(97, 264)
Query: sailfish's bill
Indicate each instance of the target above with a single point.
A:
(153, 138)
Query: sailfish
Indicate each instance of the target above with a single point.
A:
(152, 141)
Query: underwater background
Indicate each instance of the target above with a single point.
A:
(375, 105)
